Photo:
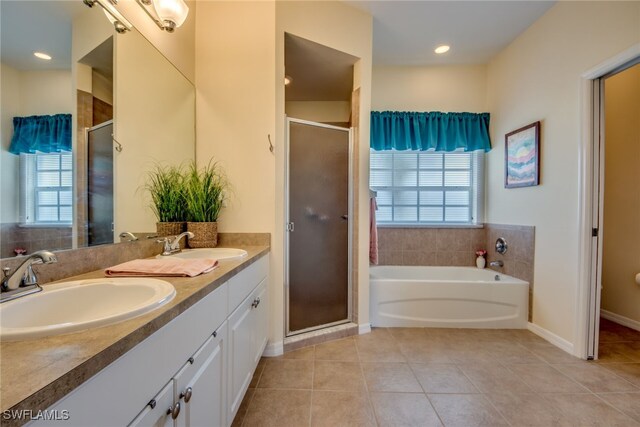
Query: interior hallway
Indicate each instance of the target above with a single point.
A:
(450, 377)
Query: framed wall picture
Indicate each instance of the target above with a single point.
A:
(522, 157)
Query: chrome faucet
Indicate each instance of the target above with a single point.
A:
(24, 281)
(129, 236)
(497, 263)
(172, 247)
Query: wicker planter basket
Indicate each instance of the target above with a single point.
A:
(170, 228)
(205, 234)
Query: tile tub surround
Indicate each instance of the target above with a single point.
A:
(72, 262)
(457, 246)
(37, 373)
(436, 377)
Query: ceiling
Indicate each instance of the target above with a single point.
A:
(407, 32)
(30, 26)
(319, 73)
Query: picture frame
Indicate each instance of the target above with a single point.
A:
(522, 157)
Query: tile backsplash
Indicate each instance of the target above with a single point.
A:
(457, 246)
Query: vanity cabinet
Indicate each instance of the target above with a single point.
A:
(200, 362)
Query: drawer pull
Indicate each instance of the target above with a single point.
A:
(187, 394)
(215, 334)
(174, 411)
(190, 360)
(152, 404)
(256, 302)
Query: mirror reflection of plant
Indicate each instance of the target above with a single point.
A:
(166, 185)
(205, 192)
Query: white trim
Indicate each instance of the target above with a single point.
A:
(554, 339)
(621, 320)
(364, 328)
(273, 349)
(585, 196)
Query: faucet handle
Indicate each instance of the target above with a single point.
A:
(29, 278)
(166, 248)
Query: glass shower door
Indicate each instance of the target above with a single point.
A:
(318, 229)
(100, 184)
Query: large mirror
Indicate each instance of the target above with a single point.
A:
(128, 107)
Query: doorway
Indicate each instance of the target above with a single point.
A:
(614, 325)
(319, 205)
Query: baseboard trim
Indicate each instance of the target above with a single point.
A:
(364, 328)
(554, 339)
(274, 349)
(621, 320)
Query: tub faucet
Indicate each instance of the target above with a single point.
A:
(24, 281)
(497, 263)
(172, 247)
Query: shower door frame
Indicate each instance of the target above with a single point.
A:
(287, 331)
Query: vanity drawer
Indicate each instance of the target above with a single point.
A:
(241, 285)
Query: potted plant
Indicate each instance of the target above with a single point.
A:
(166, 185)
(205, 195)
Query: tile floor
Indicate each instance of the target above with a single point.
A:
(450, 377)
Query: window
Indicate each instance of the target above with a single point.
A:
(46, 188)
(425, 187)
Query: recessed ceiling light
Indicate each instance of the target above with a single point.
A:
(42, 55)
(287, 80)
(442, 49)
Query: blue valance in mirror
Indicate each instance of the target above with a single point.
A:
(44, 134)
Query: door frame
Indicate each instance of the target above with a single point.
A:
(591, 176)
(287, 331)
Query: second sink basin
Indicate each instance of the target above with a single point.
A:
(213, 253)
(82, 304)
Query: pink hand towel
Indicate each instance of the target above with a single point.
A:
(169, 267)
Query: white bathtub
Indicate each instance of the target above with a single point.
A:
(447, 297)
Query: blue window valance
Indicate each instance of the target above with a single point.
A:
(45, 134)
(400, 130)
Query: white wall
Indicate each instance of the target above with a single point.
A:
(26, 93)
(621, 251)
(319, 111)
(538, 77)
(455, 88)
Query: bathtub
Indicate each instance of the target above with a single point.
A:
(447, 297)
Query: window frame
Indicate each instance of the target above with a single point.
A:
(475, 189)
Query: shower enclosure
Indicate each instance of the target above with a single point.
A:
(318, 246)
(100, 184)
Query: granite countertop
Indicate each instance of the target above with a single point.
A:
(37, 373)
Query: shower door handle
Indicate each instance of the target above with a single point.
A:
(345, 217)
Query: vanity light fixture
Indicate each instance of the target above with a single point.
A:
(287, 80)
(119, 22)
(442, 49)
(169, 14)
(42, 55)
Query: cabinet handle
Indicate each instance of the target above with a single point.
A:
(190, 360)
(256, 302)
(174, 411)
(186, 394)
(215, 334)
(152, 404)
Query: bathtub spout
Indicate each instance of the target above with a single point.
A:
(498, 263)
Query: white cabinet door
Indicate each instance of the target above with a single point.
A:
(261, 322)
(158, 412)
(201, 386)
(240, 360)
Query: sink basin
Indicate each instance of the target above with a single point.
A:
(74, 306)
(214, 253)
